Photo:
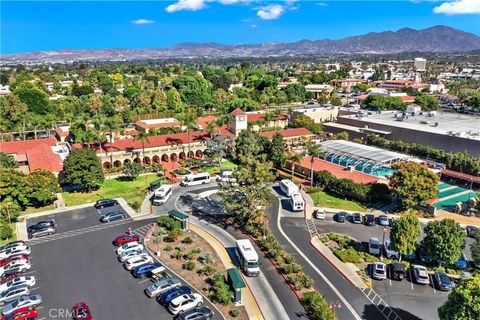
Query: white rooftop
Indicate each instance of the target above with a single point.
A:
(159, 121)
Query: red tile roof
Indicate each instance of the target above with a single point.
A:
(21, 146)
(204, 121)
(287, 133)
(42, 157)
(407, 98)
(338, 171)
(238, 112)
(61, 132)
(153, 141)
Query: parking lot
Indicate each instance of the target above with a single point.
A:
(421, 301)
(79, 264)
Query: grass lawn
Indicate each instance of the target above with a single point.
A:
(216, 169)
(113, 188)
(323, 199)
(29, 210)
(14, 236)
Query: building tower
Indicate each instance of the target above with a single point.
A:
(239, 121)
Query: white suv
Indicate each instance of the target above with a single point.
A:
(185, 302)
(374, 246)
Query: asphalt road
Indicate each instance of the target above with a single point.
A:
(83, 267)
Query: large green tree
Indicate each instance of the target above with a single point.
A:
(316, 306)
(303, 121)
(444, 240)
(414, 183)
(7, 161)
(404, 233)
(428, 103)
(34, 97)
(475, 248)
(463, 302)
(13, 186)
(248, 145)
(277, 151)
(42, 187)
(82, 167)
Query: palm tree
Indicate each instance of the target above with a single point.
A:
(210, 127)
(314, 152)
(187, 120)
(99, 131)
(277, 112)
(142, 136)
(112, 126)
(294, 159)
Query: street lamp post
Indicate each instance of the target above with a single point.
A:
(383, 243)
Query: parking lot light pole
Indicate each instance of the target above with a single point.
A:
(383, 243)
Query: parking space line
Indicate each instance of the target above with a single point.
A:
(29, 272)
(35, 288)
(41, 307)
(143, 281)
(389, 276)
(411, 278)
(42, 318)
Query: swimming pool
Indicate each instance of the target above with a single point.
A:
(362, 166)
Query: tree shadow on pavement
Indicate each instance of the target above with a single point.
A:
(372, 312)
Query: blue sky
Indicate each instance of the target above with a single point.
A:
(31, 26)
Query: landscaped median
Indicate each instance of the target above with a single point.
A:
(191, 257)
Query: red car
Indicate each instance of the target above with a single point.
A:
(13, 258)
(126, 238)
(26, 313)
(6, 278)
(81, 311)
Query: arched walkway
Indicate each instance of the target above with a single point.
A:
(173, 157)
(136, 160)
(147, 160)
(156, 159)
(199, 154)
(117, 163)
(107, 165)
(126, 161)
(182, 155)
(191, 154)
(165, 157)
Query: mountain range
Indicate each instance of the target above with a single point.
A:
(438, 39)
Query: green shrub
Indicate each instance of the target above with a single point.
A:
(174, 234)
(369, 258)
(221, 290)
(235, 313)
(316, 306)
(168, 248)
(206, 258)
(187, 240)
(5, 230)
(440, 269)
(189, 265)
(288, 258)
(169, 223)
(290, 268)
(193, 253)
(177, 255)
(207, 270)
(348, 255)
(301, 281)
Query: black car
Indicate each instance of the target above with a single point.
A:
(198, 313)
(471, 231)
(105, 203)
(443, 281)
(342, 217)
(41, 225)
(369, 220)
(397, 271)
(111, 216)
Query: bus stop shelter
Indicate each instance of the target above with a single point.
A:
(236, 282)
(182, 217)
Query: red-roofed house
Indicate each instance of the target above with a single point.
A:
(336, 170)
(290, 136)
(202, 122)
(37, 154)
(255, 119)
(62, 133)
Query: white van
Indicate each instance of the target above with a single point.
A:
(247, 257)
(374, 246)
(297, 202)
(162, 194)
(196, 179)
(227, 178)
(288, 187)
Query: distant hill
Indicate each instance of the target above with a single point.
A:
(435, 39)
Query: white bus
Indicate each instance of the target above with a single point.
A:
(196, 179)
(297, 202)
(162, 194)
(288, 187)
(247, 257)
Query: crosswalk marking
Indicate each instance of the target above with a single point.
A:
(381, 305)
(141, 231)
(73, 233)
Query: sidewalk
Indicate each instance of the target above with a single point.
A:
(253, 310)
(348, 270)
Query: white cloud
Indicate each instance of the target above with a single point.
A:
(322, 4)
(227, 2)
(191, 5)
(458, 7)
(143, 21)
(253, 26)
(270, 12)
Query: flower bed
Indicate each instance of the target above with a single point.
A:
(193, 259)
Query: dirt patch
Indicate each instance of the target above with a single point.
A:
(201, 254)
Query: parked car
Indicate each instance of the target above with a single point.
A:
(443, 281)
(397, 271)
(383, 221)
(379, 271)
(369, 220)
(126, 238)
(112, 216)
(13, 258)
(129, 246)
(22, 302)
(319, 214)
(14, 293)
(471, 231)
(410, 256)
(185, 302)
(461, 263)
(41, 232)
(421, 274)
(81, 311)
(422, 254)
(20, 265)
(12, 244)
(342, 217)
(203, 313)
(13, 247)
(105, 203)
(137, 261)
(27, 280)
(40, 225)
(9, 276)
(26, 313)
(15, 251)
(389, 251)
(357, 217)
(131, 253)
(392, 219)
(374, 246)
(171, 294)
(161, 286)
(147, 270)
